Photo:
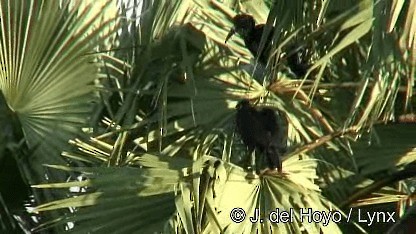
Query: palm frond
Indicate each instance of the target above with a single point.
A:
(47, 75)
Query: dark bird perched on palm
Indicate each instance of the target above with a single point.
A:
(251, 33)
(296, 61)
(261, 129)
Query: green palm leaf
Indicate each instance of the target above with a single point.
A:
(146, 195)
(215, 189)
(47, 75)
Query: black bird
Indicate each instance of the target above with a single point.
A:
(296, 61)
(251, 33)
(262, 129)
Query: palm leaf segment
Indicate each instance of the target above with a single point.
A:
(46, 73)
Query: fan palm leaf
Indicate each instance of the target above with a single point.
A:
(47, 75)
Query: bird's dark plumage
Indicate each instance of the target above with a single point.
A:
(296, 61)
(251, 33)
(262, 129)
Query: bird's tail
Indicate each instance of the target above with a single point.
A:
(273, 158)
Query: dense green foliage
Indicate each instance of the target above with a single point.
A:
(126, 122)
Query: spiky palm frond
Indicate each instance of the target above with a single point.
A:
(206, 193)
(47, 75)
